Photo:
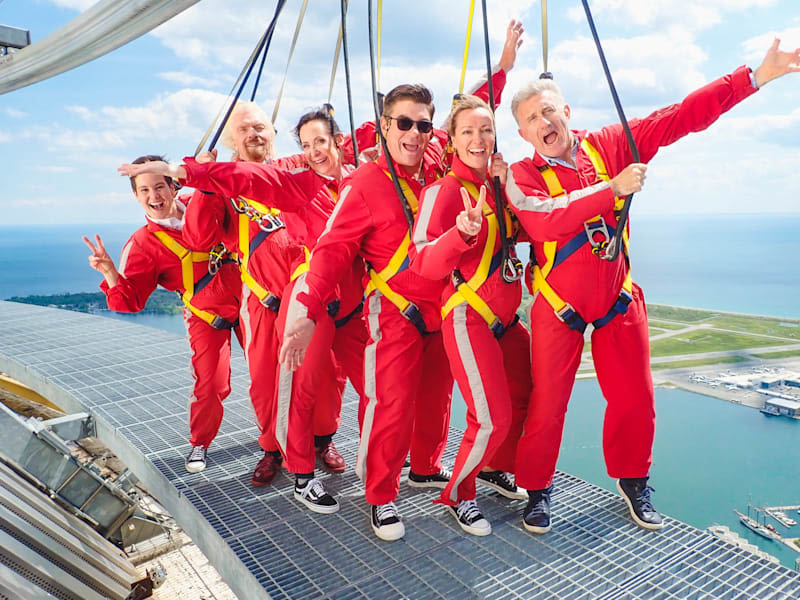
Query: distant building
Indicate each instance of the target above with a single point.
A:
(782, 407)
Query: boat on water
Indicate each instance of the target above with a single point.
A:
(783, 518)
(767, 531)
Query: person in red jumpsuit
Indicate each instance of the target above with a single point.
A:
(460, 243)
(406, 375)
(275, 249)
(565, 198)
(149, 259)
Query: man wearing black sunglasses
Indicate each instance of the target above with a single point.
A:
(407, 376)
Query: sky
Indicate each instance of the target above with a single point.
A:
(61, 139)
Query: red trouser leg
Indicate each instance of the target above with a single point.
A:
(211, 369)
(261, 352)
(298, 392)
(398, 364)
(348, 348)
(516, 348)
(555, 356)
(621, 352)
(476, 361)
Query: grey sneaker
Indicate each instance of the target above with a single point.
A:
(196, 461)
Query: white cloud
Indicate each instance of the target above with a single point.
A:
(187, 79)
(54, 169)
(4, 138)
(14, 113)
(755, 47)
(665, 13)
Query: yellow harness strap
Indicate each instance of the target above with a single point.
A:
(466, 290)
(244, 247)
(302, 267)
(540, 274)
(187, 258)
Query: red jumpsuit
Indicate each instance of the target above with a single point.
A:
(212, 218)
(620, 348)
(493, 374)
(407, 382)
(146, 262)
(306, 399)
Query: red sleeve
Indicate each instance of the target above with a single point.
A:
(696, 112)
(138, 277)
(365, 137)
(204, 221)
(481, 89)
(336, 250)
(437, 244)
(271, 185)
(545, 218)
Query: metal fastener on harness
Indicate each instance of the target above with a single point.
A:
(497, 328)
(595, 227)
(571, 318)
(512, 269)
(215, 257)
(272, 302)
(413, 314)
(220, 323)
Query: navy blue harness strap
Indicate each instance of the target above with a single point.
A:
(346, 319)
(574, 244)
(206, 279)
(575, 321)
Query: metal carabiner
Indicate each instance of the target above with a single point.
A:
(512, 269)
(594, 227)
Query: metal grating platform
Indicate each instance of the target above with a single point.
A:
(135, 381)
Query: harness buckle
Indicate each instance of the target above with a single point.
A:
(333, 308)
(497, 328)
(273, 222)
(215, 257)
(593, 228)
(512, 269)
(570, 317)
(272, 302)
(413, 314)
(220, 323)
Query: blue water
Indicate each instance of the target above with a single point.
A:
(710, 456)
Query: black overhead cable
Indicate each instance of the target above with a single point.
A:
(409, 214)
(614, 245)
(347, 80)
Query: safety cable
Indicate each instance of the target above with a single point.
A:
(260, 68)
(263, 45)
(545, 43)
(508, 277)
(347, 80)
(289, 60)
(615, 243)
(380, 29)
(466, 47)
(409, 214)
(335, 62)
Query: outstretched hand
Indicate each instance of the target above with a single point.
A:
(513, 42)
(469, 220)
(777, 63)
(100, 261)
(158, 167)
(296, 339)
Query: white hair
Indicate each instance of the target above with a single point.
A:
(226, 138)
(532, 89)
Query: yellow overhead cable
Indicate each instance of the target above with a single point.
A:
(289, 60)
(466, 47)
(378, 53)
(544, 34)
(336, 58)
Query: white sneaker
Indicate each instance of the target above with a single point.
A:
(196, 461)
(386, 522)
(469, 517)
(314, 496)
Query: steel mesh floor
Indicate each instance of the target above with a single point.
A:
(135, 382)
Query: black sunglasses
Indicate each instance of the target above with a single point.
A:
(404, 124)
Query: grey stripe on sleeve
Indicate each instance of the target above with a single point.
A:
(536, 204)
(424, 217)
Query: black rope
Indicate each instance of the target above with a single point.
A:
(263, 44)
(498, 192)
(347, 80)
(615, 244)
(409, 214)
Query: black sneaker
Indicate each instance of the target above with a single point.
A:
(500, 482)
(536, 517)
(469, 518)
(196, 461)
(434, 480)
(636, 494)
(386, 522)
(314, 496)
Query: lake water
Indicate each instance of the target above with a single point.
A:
(710, 456)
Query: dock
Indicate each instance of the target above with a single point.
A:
(134, 382)
(781, 514)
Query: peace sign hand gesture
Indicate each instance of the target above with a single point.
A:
(469, 220)
(100, 261)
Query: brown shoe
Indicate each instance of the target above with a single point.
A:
(266, 469)
(330, 457)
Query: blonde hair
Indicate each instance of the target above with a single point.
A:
(462, 103)
(226, 138)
